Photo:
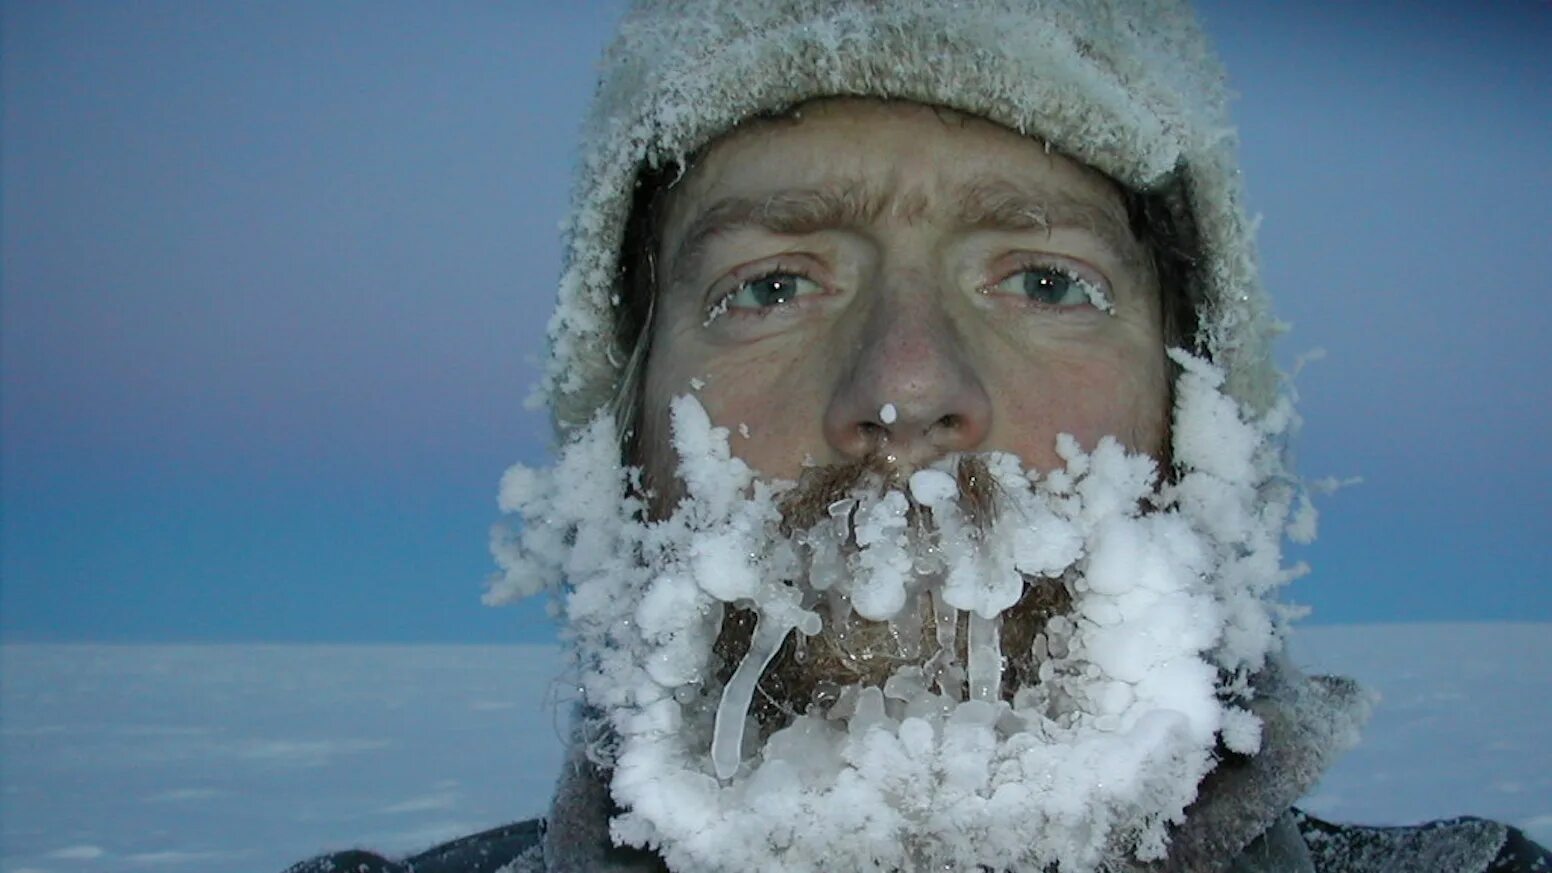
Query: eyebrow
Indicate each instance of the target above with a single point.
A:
(790, 212)
(999, 204)
(987, 203)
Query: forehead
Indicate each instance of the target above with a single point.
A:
(887, 159)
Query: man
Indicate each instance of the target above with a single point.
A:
(922, 491)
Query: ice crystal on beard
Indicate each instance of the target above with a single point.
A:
(950, 762)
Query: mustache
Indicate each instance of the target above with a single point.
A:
(823, 492)
(850, 650)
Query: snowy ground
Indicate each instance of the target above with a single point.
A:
(245, 758)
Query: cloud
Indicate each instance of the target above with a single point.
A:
(308, 753)
(177, 858)
(179, 794)
(78, 853)
(424, 803)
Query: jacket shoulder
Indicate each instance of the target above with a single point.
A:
(350, 861)
(1457, 845)
(513, 848)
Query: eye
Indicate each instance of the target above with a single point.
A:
(1057, 286)
(770, 290)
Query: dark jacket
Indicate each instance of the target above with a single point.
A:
(1331, 848)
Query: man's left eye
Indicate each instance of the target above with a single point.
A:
(1055, 286)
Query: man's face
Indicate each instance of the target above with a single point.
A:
(869, 662)
(891, 279)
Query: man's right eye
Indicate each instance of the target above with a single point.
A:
(770, 290)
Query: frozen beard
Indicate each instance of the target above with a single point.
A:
(1004, 669)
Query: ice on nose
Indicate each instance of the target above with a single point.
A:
(887, 414)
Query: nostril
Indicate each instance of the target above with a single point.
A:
(951, 422)
(872, 432)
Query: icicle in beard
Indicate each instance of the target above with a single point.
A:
(926, 646)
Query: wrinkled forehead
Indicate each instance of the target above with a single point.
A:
(855, 161)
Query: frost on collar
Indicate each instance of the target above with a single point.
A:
(1086, 763)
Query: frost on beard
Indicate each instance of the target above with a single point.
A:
(1035, 677)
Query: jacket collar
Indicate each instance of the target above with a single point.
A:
(1306, 724)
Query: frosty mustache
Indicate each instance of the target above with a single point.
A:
(925, 646)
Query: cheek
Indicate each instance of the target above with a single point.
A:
(771, 402)
(774, 432)
(1090, 393)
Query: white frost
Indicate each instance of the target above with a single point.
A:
(1082, 766)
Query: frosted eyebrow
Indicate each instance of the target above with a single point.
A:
(790, 212)
(998, 204)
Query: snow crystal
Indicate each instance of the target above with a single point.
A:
(932, 487)
(887, 413)
(1097, 297)
(878, 593)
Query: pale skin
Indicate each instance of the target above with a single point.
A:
(884, 277)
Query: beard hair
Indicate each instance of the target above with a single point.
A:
(852, 651)
(1135, 611)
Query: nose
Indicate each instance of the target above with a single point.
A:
(909, 391)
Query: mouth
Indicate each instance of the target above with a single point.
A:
(926, 648)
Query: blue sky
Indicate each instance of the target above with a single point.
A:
(275, 276)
